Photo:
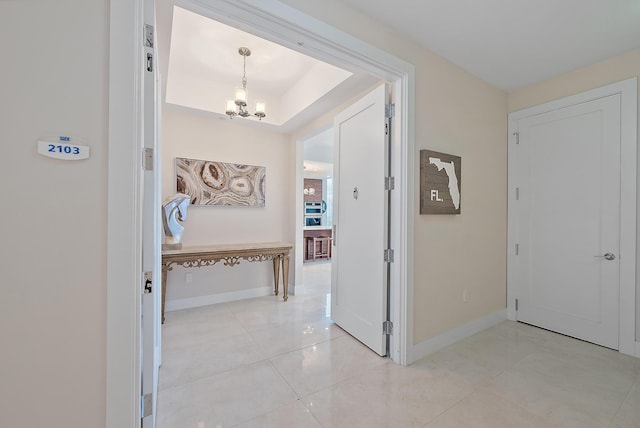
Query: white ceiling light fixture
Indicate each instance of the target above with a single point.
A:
(238, 106)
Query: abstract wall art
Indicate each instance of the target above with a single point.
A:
(220, 183)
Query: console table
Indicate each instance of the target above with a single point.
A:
(230, 255)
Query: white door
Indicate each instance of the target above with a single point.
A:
(359, 273)
(151, 230)
(568, 210)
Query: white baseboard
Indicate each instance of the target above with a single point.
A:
(212, 299)
(450, 337)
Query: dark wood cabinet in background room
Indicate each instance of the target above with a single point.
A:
(316, 184)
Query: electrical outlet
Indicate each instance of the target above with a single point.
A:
(188, 277)
(465, 296)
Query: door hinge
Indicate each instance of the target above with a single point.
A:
(147, 159)
(148, 282)
(148, 36)
(517, 193)
(517, 249)
(389, 110)
(149, 62)
(389, 183)
(387, 327)
(516, 304)
(146, 405)
(517, 135)
(386, 129)
(389, 255)
(334, 234)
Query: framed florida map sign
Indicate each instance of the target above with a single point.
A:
(220, 183)
(440, 183)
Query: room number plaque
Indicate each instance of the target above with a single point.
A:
(62, 147)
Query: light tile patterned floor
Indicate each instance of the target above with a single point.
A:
(264, 363)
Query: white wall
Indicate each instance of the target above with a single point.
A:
(53, 303)
(192, 134)
(612, 70)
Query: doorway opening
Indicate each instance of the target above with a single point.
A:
(314, 172)
(294, 29)
(320, 247)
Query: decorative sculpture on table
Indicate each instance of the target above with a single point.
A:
(174, 214)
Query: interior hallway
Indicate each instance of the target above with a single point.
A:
(265, 363)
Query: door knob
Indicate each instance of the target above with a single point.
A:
(608, 256)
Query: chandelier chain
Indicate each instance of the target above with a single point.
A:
(244, 72)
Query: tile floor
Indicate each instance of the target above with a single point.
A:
(264, 363)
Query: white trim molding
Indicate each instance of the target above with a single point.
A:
(124, 221)
(628, 188)
(450, 337)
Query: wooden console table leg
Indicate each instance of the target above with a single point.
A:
(276, 275)
(165, 271)
(285, 277)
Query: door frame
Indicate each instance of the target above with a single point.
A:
(628, 188)
(291, 28)
(124, 215)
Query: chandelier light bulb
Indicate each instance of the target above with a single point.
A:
(260, 108)
(241, 96)
(231, 107)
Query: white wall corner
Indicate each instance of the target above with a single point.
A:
(637, 349)
(450, 337)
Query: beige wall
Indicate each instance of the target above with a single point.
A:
(459, 114)
(53, 305)
(612, 70)
(197, 135)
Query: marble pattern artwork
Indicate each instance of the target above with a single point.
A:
(220, 183)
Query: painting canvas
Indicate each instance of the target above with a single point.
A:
(440, 183)
(220, 183)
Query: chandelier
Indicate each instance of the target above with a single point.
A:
(238, 107)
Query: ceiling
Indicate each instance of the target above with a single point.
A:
(508, 43)
(204, 67)
(514, 43)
